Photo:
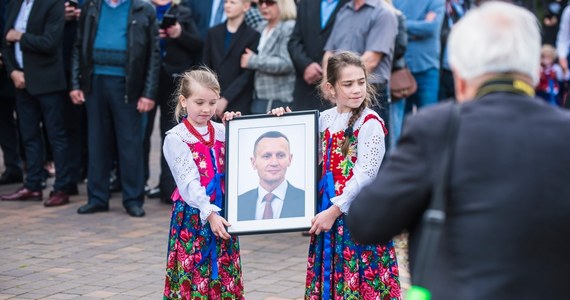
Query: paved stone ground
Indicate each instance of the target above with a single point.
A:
(54, 253)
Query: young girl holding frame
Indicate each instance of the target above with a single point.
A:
(352, 141)
(203, 259)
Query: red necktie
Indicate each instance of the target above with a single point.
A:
(268, 212)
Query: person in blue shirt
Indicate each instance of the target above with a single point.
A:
(424, 20)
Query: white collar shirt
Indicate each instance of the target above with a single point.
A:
(276, 203)
(20, 25)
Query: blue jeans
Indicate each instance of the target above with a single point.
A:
(428, 89)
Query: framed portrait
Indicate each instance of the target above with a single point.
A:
(271, 172)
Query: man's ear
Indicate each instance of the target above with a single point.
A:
(252, 160)
(460, 85)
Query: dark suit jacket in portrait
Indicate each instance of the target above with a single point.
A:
(293, 204)
(305, 47)
(507, 230)
(236, 83)
(41, 46)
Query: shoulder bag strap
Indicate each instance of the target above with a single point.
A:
(434, 217)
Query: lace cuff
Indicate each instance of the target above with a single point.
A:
(342, 202)
(206, 211)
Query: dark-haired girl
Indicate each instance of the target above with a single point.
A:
(352, 137)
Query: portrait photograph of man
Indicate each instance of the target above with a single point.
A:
(271, 173)
(274, 197)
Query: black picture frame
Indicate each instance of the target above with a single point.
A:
(242, 182)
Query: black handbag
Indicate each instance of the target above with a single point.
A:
(434, 217)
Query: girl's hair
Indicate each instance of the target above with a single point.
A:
(202, 76)
(549, 50)
(335, 65)
(287, 10)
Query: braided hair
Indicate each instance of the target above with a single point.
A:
(335, 64)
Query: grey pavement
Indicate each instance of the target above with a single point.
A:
(54, 253)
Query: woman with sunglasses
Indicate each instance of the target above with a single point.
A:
(274, 72)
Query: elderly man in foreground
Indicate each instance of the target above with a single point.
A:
(506, 234)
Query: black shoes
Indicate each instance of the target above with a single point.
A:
(10, 177)
(91, 209)
(135, 211)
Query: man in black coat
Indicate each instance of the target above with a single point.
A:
(313, 26)
(115, 70)
(31, 47)
(180, 46)
(506, 234)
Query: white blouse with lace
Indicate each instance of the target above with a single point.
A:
(184, 169)
(369, 154)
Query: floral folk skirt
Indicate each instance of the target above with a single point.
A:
(189, 265)
(357, 271)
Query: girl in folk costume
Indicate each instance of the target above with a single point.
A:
(352, 140)
(203, 259)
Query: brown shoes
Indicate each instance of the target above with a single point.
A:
(23, 194)
(57, 198)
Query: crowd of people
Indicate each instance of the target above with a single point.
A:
(82, 81)
(266, 54)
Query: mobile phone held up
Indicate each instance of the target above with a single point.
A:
(73, 3)
(167, 21)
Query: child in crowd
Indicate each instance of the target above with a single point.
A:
(225, 43)
(352, 140)
(551, 76)
(203, 259)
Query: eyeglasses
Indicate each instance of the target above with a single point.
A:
(267, 2)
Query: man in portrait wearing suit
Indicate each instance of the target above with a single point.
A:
(505, 231)
(275, 197)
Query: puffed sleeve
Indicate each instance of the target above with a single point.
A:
(370, 152)
(185, 173)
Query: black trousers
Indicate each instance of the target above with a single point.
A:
(46, 109)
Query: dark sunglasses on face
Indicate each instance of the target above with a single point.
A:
(267, 2)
